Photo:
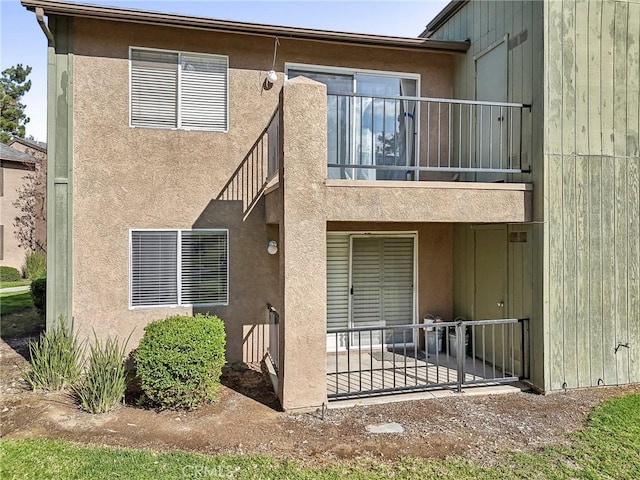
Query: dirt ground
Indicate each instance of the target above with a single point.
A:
(246, 419)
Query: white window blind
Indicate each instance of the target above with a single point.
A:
(338, 281)
(203, 91)
(154, 88)
(179, 267)
(382, 278)
(154, 268)
(204, 267)
(179, 90)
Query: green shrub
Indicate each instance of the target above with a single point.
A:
(35, 265)
(39, 294)
(103, 385)
(9, 274)
(179, 360)
(55, 359)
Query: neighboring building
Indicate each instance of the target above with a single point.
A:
(19, 159)
(376, 181)
(32, 147)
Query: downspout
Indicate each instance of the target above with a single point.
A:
(43, 25)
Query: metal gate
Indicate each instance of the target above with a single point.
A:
(426, 356)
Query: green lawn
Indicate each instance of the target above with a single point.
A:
(18, 317)
(12, 302)
(15, 284)
(608, 448)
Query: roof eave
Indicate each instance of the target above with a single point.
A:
(56, 7)
(443, 17)
(27, 143)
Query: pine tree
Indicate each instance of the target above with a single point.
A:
(13, 85)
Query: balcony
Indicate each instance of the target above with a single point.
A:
(400, 159)
(417, 138)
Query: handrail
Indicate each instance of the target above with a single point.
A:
(443, 323)
(249, 180)
(273, 350)
(457, 101)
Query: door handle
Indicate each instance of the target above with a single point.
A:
(351, 290)
(500, 304)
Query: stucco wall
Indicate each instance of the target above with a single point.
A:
(143, 178)
(12, 177)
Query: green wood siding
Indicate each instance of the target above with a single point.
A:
(580, 69)
(59, 171)
(591, 154)
(485, 24)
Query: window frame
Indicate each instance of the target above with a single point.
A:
(178, 92)
(179, 231)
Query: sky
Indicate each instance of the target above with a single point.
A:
(22, 41)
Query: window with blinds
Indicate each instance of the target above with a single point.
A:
(179, 268)
(179, 90)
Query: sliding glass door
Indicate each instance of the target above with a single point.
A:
(370, 283)
(366, 125)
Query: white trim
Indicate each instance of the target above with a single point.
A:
(309, 67)
(178, 266)
(178, 95)
(129, 97)
(497, 43)
(520, 187)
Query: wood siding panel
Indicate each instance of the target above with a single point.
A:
(568, 271)
(593, 211)
(633, 315)
(596, 331)
(608, 269)
(485, 23)
(584, 154)
(553, 72)
(594, 116)
(633, 81)
(583, 320)
(620, 79)
(621, 285)
(582, 70)
(607, 76)
(568, 89)
(556, 351)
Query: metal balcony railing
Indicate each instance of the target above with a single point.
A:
(260, 164)
(405, 138)
(380, 360)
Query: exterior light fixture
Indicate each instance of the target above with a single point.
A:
(272, 77)
(272, 247)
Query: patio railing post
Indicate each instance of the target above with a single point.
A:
(460, 353)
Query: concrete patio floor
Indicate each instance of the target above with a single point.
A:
(378, 372)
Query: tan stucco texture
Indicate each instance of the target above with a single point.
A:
(126, 178)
